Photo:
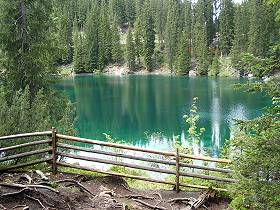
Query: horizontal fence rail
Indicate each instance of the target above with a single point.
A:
(59, 145)
(45, 153)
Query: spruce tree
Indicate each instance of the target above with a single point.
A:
(148, 38)
(116, 45)
(171, 33)
(200, 38)
(130, 51)
(183, 58)
(241, 25)
(64, 16)
(130, 11)
(226, 26)
(79, 51)
(138, 34)
(92, 39)
(104, 37)
(26, 44)
(259, 34)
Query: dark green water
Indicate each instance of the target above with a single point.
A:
(148, 111)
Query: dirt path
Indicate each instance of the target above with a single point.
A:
(110, 193)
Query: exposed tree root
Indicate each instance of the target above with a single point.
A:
(76, 183)
(13, 185)
(149, 205)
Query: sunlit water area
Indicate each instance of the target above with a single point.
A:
(147, 111)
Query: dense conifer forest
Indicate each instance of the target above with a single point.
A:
(179, 35)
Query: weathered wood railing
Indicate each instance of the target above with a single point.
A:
(61, 145)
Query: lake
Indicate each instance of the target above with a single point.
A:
(148, 111)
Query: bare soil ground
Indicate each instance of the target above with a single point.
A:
(108, 192)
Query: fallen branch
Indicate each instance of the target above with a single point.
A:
(137, 196)
(13, 185)
(35, 199)
(149, 205)
(76, 183)
(178, 200)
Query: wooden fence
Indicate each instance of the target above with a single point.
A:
(58, 145)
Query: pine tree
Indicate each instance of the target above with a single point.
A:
(64, 13)
(26, 44)
(130, 11)
(241, 25)
(104, 36)
(171, 32)
(259, 34)
(183, 61)
(208, 11)
(200, 41)
(116, 45)
(92, 39)
(130, 51)
(138, 33)
(226, 26)
(148, 38)
(79, 52)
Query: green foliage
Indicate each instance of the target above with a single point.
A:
(226, 26)
(256, 156)
(215, 67)
(117, 54)
(130, 51)
(20, 115)
(149, 38)
(195, 133)
(200, 41)
(26, 44)
(248, 63)
(171, 32)
(183, 59)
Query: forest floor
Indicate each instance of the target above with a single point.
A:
(21, 191)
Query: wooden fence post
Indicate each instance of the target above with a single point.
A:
(54, 150)
(177, 170)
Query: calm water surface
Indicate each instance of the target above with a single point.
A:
(148, 111)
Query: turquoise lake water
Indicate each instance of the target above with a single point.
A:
(148, 111)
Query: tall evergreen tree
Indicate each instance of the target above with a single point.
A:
(138, 33)
(116, 45)
(92, 39)
(64, 17)
(130, 51)
(25, 43)
(149, 38)
(79, 51)
(200, 40)
(104, 36)
(171, 32)
(259, 34)
(183, 58)
(241, 25)
(226, 26)
(208, 11)
(130, 11)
